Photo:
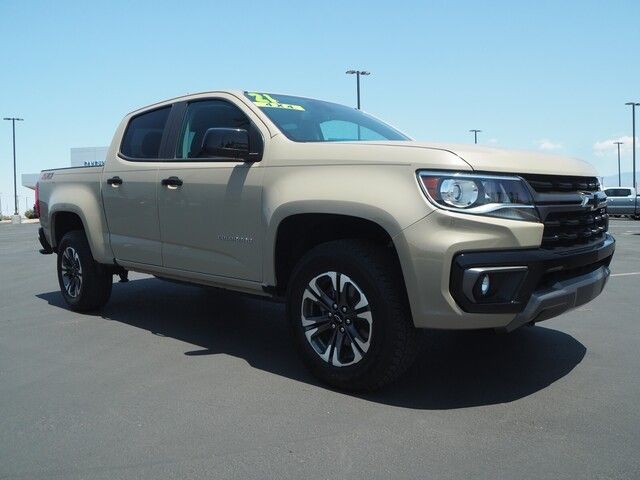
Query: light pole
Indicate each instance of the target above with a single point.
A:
(357, 73)
(475, 135)
(16, 216)
(633, 135)
(619, 178)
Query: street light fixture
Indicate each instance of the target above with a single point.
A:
(357, 73)
(16, 216)
(633, 128)
(475, 135)
(619, 175)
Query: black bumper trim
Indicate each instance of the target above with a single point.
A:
(561, 297)
(546, 268)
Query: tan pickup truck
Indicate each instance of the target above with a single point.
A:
(369, 237)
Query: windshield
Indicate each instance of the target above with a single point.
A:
(308, 120)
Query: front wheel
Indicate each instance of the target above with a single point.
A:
(349, 315)
(85, 284)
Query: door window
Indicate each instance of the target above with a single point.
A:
(144, 134)
(202, 116)
(617, 192)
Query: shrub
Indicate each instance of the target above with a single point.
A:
(30, 214)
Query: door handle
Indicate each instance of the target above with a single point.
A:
(171, 182)
(114, 181)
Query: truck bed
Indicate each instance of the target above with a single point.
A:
(76, 190)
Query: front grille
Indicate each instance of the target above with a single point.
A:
(573, 209)
(556, 183)
(574, 228)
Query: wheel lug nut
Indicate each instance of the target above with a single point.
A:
(341, 329)
(333, 325)
(344, 309)
(347, 321)
(335, 306)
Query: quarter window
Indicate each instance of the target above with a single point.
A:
(144, 134)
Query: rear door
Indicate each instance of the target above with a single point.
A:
(210, 208)
(129, 189)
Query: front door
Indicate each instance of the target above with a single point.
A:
(129, 190)
(210, 208)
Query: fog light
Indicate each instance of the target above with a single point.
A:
(485, 285)
(492, 284)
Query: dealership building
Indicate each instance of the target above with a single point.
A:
(79, 157)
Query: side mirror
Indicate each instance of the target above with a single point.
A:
(226, 142)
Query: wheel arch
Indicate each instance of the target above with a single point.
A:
(68, 217)
(76, 202)
(296, 232)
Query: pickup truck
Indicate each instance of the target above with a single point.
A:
(368, 236)
(623, 201)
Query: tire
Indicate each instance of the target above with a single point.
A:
(85, 284)
(376, 335)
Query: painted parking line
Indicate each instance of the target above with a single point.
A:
(624, 274)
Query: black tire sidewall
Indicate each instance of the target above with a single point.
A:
(316, 263)
(96, 282)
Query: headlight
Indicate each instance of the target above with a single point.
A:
(479, 194)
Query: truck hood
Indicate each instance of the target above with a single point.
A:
(489, 159)
(427, 155)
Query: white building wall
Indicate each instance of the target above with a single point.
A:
(78, 157)
(29, 180)
(88, 156)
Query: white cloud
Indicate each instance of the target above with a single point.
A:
(607, 148)
(492, 141)
(546, 144)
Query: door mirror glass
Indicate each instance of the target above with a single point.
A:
(226, 142)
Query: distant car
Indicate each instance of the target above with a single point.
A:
(623, 201)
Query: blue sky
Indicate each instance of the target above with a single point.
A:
(550, 75)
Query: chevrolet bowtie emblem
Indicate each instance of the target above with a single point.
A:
(585, 199)
(590, 200)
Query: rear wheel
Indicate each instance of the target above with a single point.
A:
(349, 315)
(85, 284)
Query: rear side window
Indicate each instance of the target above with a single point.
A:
(617, 192)
(144, 134)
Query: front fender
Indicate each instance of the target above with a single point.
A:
(387, 195)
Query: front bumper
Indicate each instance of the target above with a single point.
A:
(543, 275)
(561, 296)
(434, 251)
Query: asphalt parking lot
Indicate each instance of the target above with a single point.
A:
(172, 381)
